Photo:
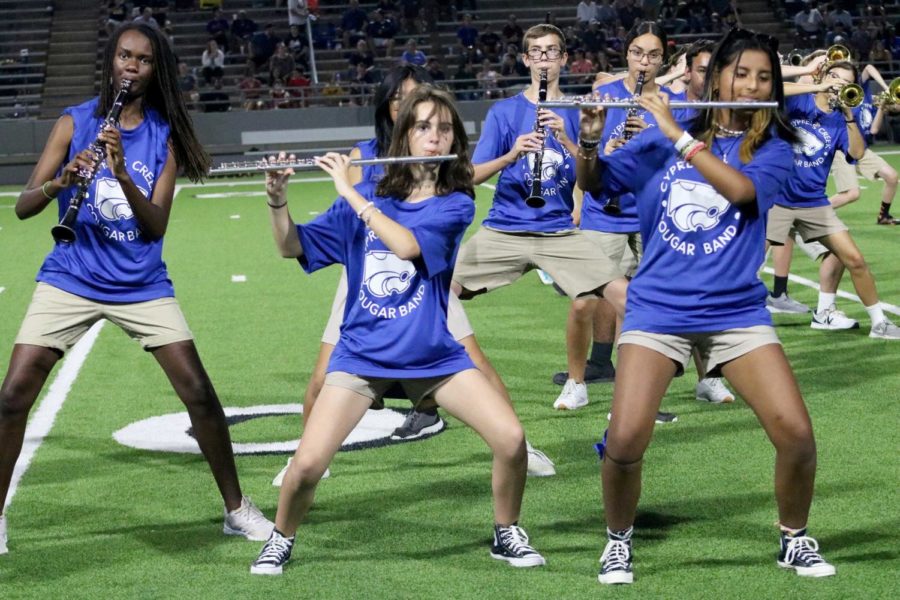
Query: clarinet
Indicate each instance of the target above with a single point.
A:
(612, 206)
(64, 232)
(536, 200)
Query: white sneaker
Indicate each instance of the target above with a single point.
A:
(539, 465)
(3, 547)
(279, 479)
(832, 318)
(885, 331)
(572, 397)
(785, 304)
(713, 390)
(248, 521)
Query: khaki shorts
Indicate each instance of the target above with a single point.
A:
(810, 223)
(374, 388)
(623, 249)
(845, 174)
(57, 319)
(716, 348)
(492, 259)
(457, 321)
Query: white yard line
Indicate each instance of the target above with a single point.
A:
(43, 417)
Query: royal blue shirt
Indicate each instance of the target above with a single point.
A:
(111, 259)
(593, 216)
(864, 114)
(701, 253)
(395, 320)
(369, 149)
(507, 120)
(820, 134)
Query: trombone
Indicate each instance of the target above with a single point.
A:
(263, 165)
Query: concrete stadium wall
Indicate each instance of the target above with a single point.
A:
(231, 135)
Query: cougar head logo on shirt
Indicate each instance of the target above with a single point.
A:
(385, 274)
(694, 206)
(553, 160)
(808, 143)
(110, 200)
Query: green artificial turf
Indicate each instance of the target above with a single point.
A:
(95, 519)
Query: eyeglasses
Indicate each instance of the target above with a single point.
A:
(551, 53)
(653, 57)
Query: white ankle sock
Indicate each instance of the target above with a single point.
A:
(876, 313)
(825, 301)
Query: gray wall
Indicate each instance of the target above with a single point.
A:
(222, 133)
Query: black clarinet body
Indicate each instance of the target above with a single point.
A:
(64, 232)
(612, 206)
(536, 199)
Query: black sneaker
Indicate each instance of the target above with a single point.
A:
(273, 555)
(887, 219)
(615, 562)
(593, 373)
(801, 553)
(418, 424)
(511, 544)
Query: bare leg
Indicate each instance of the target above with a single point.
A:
(316, 379)
(844, 198)
(483, 364)
(830, 272)
(846, 250)
(578, 335)
(778, 405)
(338, 411)
(28, 369)
(642, 377)
(493, 419)
(185, 371)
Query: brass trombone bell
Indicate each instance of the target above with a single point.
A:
(837, 53)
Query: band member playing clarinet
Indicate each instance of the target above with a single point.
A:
(702, 193)
(402, 236)
(113, 269)
(517, 237)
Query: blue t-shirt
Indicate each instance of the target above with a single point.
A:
(864, 114)
(819, 134)
(395, 320)
(593, 216)
(369, 149)
(701, 253)
(111, 260)
(507, 120)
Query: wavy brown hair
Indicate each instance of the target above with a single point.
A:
(399, 179)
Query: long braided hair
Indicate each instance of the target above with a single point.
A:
(163, 95)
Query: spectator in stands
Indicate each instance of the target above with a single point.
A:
(353, 24)
(573, 39)
(594, 39)
(467, 32)
(434, 69)
(298, 86)
(381, 31)
(582, 70)
(616, 46)
(280, 98)
(298, 13)
(628, 13)
(218, 28)
(212, 62)
(698, 16)
(606, 14)
(585, 12)
(187, 83)
(262, 46)
(242, 29)
(410, 14)
(144, 16)
(472, 55)
(669, 18)
(488, 80)
(601, 62)
(716, 25)
(215, 99)
(512, 33)
(882, 56)
(362, 54)
(892, 42)
(117, 13)
(280, 64)
(732, 17)
(810, 25)
(250, 87)
(158, 9)
(334, 91)
(412, 55)
(837, 33)
(490, 42)
(298, 44)
(464, 82)
(839, 15)
(861, 42)
(361, 85)
(325, 34)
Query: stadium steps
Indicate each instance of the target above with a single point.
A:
(70, 56)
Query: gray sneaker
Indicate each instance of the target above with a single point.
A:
(713, 390)
(539, 465)
(785, 304)
(885, 331)
(418, 424)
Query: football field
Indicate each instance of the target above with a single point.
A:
(93, 516)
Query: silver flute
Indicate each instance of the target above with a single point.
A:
(263, 165)
(589, 103)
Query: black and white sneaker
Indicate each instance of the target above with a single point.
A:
(801, 553)
(511, 544)
(615, 562)
(418, 424)
(274, 555)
